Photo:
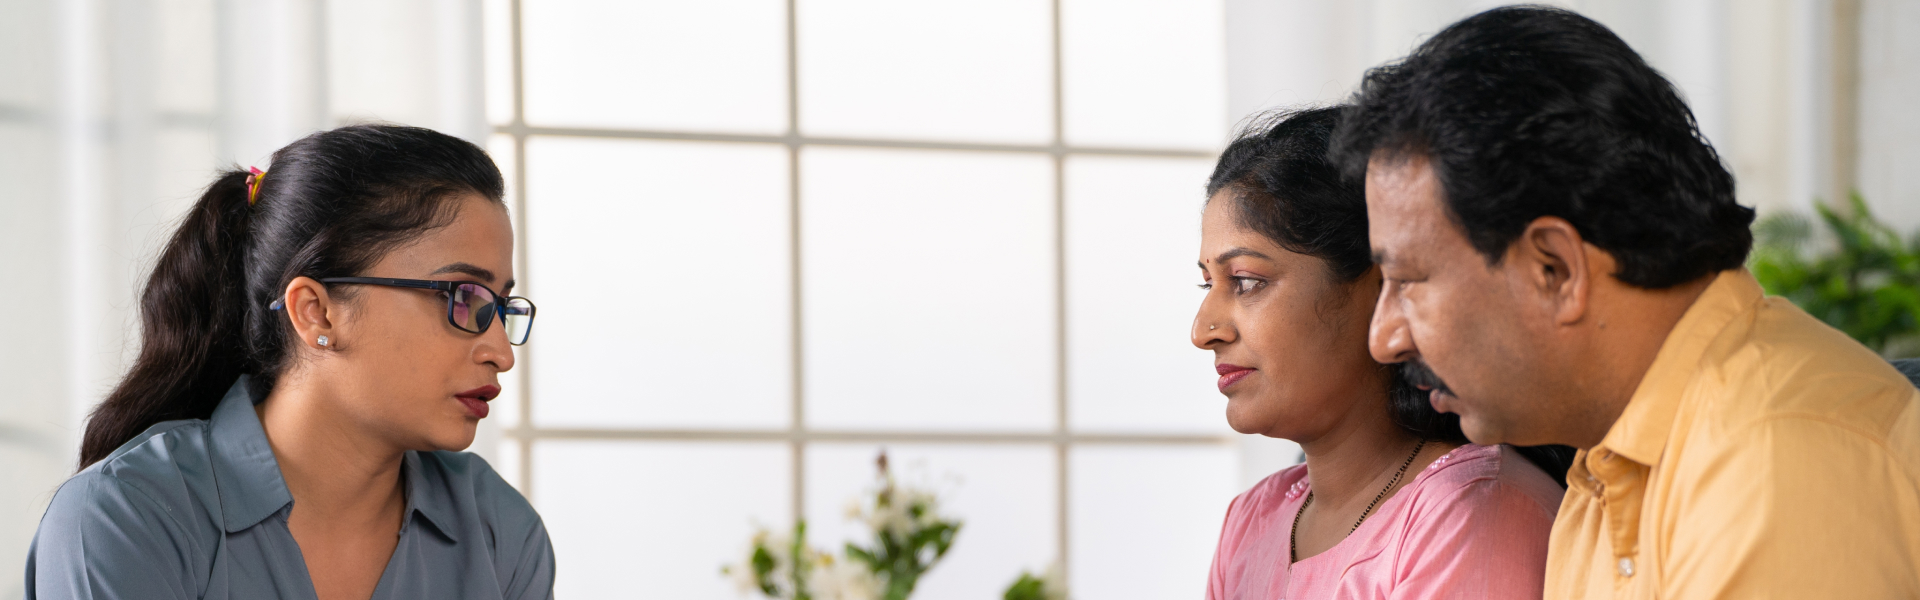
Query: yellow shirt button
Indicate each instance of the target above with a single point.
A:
(1626, 567)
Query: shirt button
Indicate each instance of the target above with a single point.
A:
(1626, 567)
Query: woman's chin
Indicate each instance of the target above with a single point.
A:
(1247, 419)
(453, 437)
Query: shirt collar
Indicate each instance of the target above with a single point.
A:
(428, 497)
(244, 470)
(252, 489)
(1642, 430)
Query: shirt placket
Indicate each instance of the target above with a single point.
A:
(1621, 486)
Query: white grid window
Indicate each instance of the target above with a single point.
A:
(770, 237)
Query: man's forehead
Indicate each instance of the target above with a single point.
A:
(1401, 193)
(1404, 175)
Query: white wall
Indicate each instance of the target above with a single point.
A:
(34, 449)
(1890, 126)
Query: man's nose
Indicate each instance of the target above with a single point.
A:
(1387, 336)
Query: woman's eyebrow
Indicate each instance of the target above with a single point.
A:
(1239, 252)
(466, 269)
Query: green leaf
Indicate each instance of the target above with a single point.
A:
(1027, 587)
(1783, 230)
(861, 554)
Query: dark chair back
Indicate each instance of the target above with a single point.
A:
(1909, 367)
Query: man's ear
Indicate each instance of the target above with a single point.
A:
(1553, 260)
(311, 310)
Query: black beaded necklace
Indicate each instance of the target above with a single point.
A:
(1293, 539)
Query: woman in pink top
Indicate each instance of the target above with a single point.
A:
(1392, 501)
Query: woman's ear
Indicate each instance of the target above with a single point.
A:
(312, 311)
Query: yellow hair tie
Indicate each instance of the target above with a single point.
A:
(253, 184)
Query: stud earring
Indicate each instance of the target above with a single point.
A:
(323, 341)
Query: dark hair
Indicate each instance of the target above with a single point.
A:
(333, 203)
(1285, 187)
(1531, 111)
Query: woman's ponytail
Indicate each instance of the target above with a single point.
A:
(332, 205)
(192, 324)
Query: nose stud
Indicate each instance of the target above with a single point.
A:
(322, 341)
(1212, 327)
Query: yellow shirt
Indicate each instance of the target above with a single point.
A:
(1764, 455)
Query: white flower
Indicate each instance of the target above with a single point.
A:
(889, 516)
(929, 507)
(741, 573)
(842, 580)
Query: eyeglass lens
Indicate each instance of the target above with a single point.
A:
(519, 314)
(473, 309)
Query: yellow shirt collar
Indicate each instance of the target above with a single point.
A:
(1642, 430)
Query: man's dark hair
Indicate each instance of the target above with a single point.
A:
(1525, 112)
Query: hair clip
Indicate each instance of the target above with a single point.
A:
(253, 184)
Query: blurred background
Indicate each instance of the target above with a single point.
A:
(959, 231)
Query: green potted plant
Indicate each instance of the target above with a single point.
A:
(1860, 277)
(910, 536)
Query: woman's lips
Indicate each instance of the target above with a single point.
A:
(1231, 373)
(475, 408)
(476, 400)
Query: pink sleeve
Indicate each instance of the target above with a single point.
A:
(1485, 539)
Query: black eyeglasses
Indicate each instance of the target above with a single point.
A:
(470, 306)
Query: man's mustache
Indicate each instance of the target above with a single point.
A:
(1422, 376)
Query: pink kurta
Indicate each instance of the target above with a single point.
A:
(1473, 524)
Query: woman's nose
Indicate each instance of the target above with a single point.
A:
(494, 349)
(1210, 327)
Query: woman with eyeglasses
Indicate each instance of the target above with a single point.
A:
(318, 342)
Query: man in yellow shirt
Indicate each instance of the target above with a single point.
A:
(1563, 262)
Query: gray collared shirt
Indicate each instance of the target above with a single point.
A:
(197, 509)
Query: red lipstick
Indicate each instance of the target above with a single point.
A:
(1230, 374)
(476, 399)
